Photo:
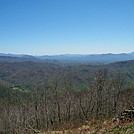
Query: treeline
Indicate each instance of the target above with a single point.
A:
(50, 106)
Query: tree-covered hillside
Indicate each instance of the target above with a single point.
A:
(36, 96)
(32, 74)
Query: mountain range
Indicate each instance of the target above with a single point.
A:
(69, 59)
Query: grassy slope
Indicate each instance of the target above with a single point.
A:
(94, 127)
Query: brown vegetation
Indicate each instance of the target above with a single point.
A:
(49, 107)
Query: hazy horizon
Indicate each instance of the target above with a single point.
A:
(65, 54)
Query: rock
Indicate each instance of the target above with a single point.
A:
(36, 131)
(126, 115)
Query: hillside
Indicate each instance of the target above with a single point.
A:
(28, 74)
(32, 74)
(97, 127)
(45, 96)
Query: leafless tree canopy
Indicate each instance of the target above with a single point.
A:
(49, 105)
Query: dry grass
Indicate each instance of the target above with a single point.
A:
(97, 127)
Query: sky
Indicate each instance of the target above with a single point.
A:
(48, 27)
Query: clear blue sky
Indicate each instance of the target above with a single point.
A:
(42, 27)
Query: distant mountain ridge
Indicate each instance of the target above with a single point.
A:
(15, 55)
(70, 59)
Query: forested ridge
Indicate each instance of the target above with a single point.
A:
(45, 96)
